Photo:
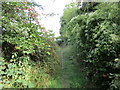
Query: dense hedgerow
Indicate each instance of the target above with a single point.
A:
(28, 50)
(95, 34)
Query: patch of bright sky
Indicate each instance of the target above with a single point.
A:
(52, 6)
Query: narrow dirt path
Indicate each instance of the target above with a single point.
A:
(71, 76)
(64, 79)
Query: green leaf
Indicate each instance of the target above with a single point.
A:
(1, 86)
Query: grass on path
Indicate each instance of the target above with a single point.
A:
(72, 77)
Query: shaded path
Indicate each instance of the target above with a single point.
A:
(72, 77)
(65, 84)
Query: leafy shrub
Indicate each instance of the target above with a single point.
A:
(95, 36)
(27, 59)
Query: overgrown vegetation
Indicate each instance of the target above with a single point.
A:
(72, 71)
(88, 56)
(28, 51)
(94, 33)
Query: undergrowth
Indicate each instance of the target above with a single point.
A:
(74, 76)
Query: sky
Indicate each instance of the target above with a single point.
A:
(52, 6)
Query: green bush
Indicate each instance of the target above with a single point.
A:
(27, 60)
(95, 34)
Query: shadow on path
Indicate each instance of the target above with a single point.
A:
(72, 77)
